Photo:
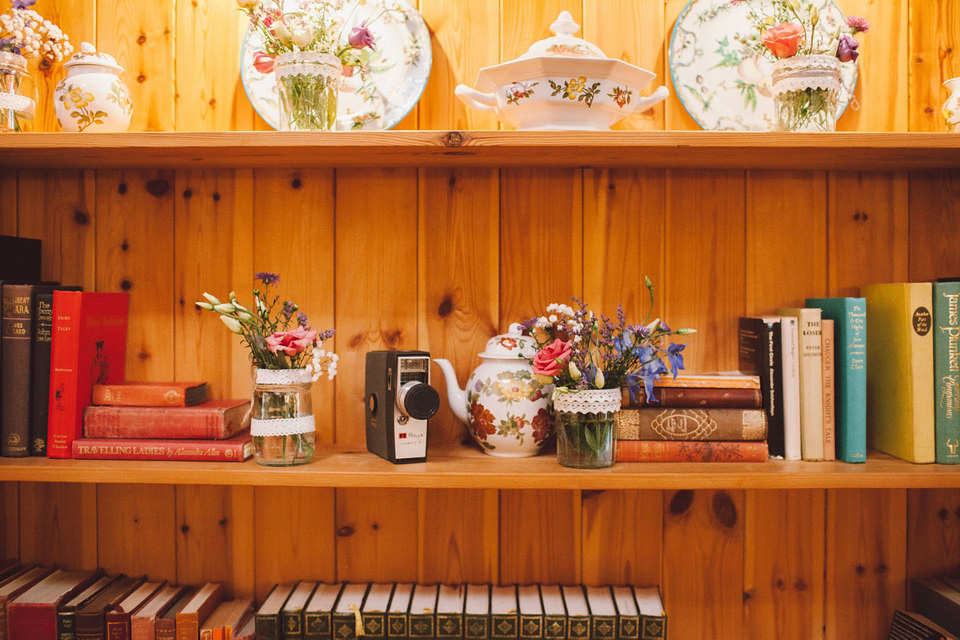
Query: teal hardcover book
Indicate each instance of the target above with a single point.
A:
(850, 343)
(946, 370)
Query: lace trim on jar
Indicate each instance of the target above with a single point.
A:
(299, 63)
(588, 401)
(282, 426)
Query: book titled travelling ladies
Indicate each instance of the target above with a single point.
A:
(236, 448)
(88, 347)
(213, 419)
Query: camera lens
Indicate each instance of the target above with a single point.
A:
(418, 400)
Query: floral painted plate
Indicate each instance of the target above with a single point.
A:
(382, 95)
(724, 84)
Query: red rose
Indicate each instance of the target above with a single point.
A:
(783, 39)
(551, 360)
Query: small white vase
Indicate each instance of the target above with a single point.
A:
(951, 106)
(92, 97)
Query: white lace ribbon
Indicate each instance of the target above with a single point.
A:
(282, 426)
(800, 73)
(588, 401)
(283, 376)
(21, 104)
(299, 63)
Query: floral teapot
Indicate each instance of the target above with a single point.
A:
(506, 409)
(92, 96)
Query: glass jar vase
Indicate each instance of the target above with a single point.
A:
(18, 94)
(281, 419)
(806, 92)
(586, 436)
(308, 84)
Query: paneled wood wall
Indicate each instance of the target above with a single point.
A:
(441, 259)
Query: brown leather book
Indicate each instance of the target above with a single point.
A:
(91, 621)
(655, 423)
(143, 622)
(207, 598)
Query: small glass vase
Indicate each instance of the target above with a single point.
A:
(308, 83)
(586, 436)
(806, 92)
(281, 421)
(18, 94)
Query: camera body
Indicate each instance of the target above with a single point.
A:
(399, 401)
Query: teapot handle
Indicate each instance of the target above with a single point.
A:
(475, 99)
(646, 102)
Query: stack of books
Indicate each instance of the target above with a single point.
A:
(163, 421)
(709, 417)
(313, 611)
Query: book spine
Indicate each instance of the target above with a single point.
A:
(374, 625)
(143, 628)
(316, 625)
(503, 626)
(690, 451)
(701, 398)
(40, 372)
(268, 627)
(449, 625)
(231, 450)
(829, 389)
(32, 621)
(603, 627)
(554, 627)
(691, 424)
(628, 627)
(653, 627)
(531, 626)
(475, 627)
(63, 413)
(398, 624)
(292, 625)
(946, 371)
(921, 372)
(758, 353)
(188, 627)
(810, 368)
(66, 625)
(103, 421)
(790, 375)
(166, 629)
(118, 629)
(15, 367)
(146, 395)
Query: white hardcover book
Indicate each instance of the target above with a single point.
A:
(790, 362)
(811, 379)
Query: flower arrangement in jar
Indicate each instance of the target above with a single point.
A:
(287, 356)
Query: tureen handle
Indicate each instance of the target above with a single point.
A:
(475, 99)
(645, 103)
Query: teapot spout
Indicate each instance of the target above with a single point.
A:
(456, 397)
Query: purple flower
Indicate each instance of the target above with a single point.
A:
(674, 357)
(23, 4)
(361, 37)
(302, 320)
(266, 277)
(288, 309)
(9, 44)
(858, 24)
(847, 48)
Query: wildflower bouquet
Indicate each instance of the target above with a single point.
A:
(25, 32)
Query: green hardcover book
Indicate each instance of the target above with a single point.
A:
(476, 613)
(318, 614)
(450, 601)
(946, 370)
(628, 616)
(291, 615)
(653, 618)
(398, 621)
(603, 612)
(374, 611)
(267, 617)
(554, 612)
(578, 613)
(503, 612)
(347, 621)
(423, 610)
(531, 612)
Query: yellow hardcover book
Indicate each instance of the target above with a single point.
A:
(811, 380)
(900, 370)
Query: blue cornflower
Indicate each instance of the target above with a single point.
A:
(23, 4)
(675, 357)
(266, 277)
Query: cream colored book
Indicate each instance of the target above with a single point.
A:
(811, 379)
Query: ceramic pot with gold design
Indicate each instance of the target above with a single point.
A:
(92, 96)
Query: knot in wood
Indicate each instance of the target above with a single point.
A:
(681, 501)
(452, 139)
(724, 509)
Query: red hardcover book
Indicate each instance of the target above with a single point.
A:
(656, 423)
(150, 394)
(215, 419)
(690, 451)
(143, 622)
(33, 614)
(13, 587)
(118, 620)
(236, 448)
(89, 347)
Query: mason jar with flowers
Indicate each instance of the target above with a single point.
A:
(589, 358)
(24, 35)
(308, 47)
(287, 358)
(807, 44)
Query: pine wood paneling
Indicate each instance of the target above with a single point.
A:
(293, 237)
(934, 41)
(205, 529)
(135, 254)
(784, 563)
(523, 22)
(934, 233)
(866, 561)
(294, 536)
(141, 37)
(703, 559)
(622, 537)
(933, 533)
(135, 530)
(458, 540)
(458, 280)
(377, 534)
(10, 524)
(58, 524)
(868, 217)
(540, 537)
(8, 203)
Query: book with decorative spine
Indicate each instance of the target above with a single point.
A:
(119, 620)
(653, 617)
(423, 610)
(374, 611)
(143, 623)
(347, 622)
(267, 615)
(476, 612)
(578, 613)
(165, 626)
(759, 353)
(628, 616)
(531, 612)
(829, 389)
(603, 612)
(91, 620)
(318, 614)
(656, 423)
(291, 615)
(398, 620)
(450, 600)
(554, 612)
(690, 451)
(946, 370)
(503, 612)
(811, 379)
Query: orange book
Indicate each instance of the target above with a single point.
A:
(150, 394)
(197, 610)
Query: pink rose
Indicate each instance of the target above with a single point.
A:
(263, 62)
(361, 37)
(550, 360)
(290, 342)
(783, 39)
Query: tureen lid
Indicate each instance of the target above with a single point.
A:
(510, 345)
(563, 43)
(88, 55)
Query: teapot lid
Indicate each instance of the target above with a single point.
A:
(563, 43)
(88, 55)
(510, 345)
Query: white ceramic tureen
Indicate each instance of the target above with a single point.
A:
(562, 83)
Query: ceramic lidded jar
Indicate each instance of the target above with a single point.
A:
(92, 96)
(506, 409)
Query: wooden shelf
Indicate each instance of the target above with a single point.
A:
(650, 149)
(467, 468)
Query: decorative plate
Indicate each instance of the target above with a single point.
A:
(724, 84)
(377, 98)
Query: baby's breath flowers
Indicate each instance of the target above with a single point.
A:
(25, 32)
(277, 333)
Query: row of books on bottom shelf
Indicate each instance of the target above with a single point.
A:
(47, 603)
(935, 614)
